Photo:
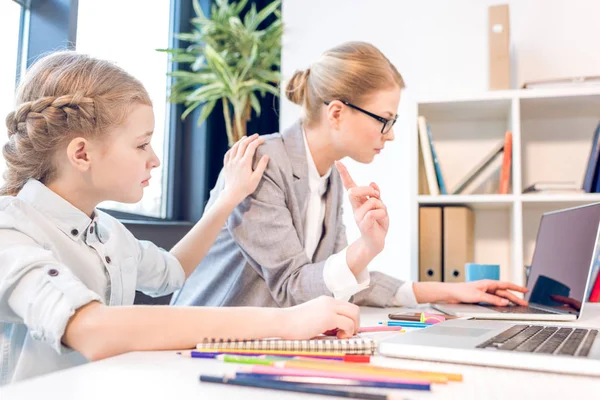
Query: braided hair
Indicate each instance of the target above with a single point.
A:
(62, 96)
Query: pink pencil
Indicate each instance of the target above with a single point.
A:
(261, 369)
(380, 328)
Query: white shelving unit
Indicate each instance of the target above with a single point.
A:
(552, 137)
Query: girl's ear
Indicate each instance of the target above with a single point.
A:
(334, 113)
(78, 154)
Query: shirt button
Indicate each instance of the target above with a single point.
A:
(52, 272)
(91, 229)
(107, 258)
(74, 232)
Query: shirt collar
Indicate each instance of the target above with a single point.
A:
(315, 181)
(69, 219)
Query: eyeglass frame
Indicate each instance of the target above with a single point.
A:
(370, 114)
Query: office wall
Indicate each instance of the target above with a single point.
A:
(440, 46)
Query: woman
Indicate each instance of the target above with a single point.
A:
(286, 243)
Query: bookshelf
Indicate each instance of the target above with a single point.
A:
(552, 137)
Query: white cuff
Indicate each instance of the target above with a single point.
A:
(405, 296)
(340, 280)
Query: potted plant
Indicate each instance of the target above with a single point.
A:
(230, 61)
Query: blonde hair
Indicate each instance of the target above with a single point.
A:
(346, 72)
(63, 95)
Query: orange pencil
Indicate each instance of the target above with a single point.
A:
(437, 377)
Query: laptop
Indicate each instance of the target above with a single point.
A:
(560, 271)
(562, 261)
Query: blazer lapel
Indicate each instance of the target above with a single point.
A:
(330, 223)
(294, 143)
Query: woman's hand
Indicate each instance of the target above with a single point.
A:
(488, 291)
(369, 211)
(240, 179)
(317, 316)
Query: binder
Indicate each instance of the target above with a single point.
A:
(430, 244)
(499, 47)
(458, 239)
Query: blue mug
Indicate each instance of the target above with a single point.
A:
(476, 272)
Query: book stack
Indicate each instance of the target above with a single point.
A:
(490, 175)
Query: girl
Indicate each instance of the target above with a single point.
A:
(286, 243)
(80, 135)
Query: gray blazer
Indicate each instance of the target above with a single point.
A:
(258, 258)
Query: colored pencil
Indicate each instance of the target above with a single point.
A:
(357, 358)
(406, 324)
(335, 381)
(294, 387)
(260, 369)
(380, 328)
(437, 377)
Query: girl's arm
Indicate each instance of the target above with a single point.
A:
(240, 181)
(98, 331)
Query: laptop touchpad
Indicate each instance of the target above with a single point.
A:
(452, 331)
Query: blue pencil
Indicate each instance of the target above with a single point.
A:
(335, 381)
(292, 387)
(406, 324)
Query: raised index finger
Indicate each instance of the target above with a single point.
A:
(346, 178)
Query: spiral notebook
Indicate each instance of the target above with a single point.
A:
(355, 345)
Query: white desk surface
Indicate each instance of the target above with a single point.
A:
(166, 375)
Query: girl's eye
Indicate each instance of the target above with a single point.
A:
(143, 147)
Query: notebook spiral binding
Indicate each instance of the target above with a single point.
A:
(357, 346)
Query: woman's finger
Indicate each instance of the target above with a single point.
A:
(345, 175)
(371, 204)
(259, 170)
(243, 144)
(495, 285)
(360, 193)
(510, 296)
(492, 299)
(251, 149)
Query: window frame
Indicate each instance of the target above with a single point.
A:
(48, 25)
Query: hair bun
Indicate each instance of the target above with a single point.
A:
(296, 87)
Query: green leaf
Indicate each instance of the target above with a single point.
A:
(265, 12)
(206, 110)
(189, 109)
(255, 104)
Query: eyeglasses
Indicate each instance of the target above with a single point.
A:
(387, 123)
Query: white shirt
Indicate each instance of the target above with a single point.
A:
(53, 260)
(338, 277)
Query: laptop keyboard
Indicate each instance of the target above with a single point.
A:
(517, 310)
(544, 339)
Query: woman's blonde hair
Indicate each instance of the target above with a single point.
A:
(63, 95)
(346, 72)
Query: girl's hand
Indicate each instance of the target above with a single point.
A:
(240, 179)
(492, 292)
(370, 213)
(317, 316)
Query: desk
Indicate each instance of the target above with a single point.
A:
(165, 375)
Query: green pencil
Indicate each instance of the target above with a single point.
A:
(244, 360)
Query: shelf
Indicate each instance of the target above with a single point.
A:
(476, 201)
(559, 199)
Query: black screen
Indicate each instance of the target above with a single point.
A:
(564, 252)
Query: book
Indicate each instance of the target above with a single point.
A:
(355, 345)
(432, 183)
(590, 179)
(594, 276)
(506, 163)
(436, 163)
(484, 164)
(575, 81)
(558, 186)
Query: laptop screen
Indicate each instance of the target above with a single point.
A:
(564, 253)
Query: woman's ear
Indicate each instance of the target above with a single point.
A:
(334, 113)
(78, 154)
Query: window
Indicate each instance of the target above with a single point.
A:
(10, 22)
(129, 32)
